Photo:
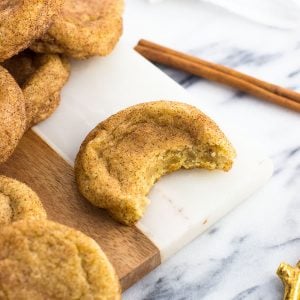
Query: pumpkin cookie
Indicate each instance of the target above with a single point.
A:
(40, 259)
(41, 77)
(12, 114)
(83, 29)
(22, 22)
(123, 157)
(18, 201)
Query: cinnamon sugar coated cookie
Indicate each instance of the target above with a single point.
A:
(123, 157)
(40, 259)
(41, 77)
(22, 21)
(83, 29)
(12, 114)
(18, 202)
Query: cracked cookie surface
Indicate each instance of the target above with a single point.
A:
(41, 78)
(18, 202)
(83, 29)
(123, 157)
(40, 259)
(12, 114)
(22, 21)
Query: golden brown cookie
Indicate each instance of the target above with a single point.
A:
(18, 201)
(22, 21)
(41, 77)
(40, 259)
(12, 114)
(123, 157)
(84, 29)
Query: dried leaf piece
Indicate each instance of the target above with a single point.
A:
(290, 276)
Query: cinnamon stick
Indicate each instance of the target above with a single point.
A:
(221, 74)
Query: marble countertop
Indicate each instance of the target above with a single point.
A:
(238, 257)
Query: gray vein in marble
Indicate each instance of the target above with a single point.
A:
(183, 78)
(240, 57)
(294, 73)
(281, 159)
(243, 294)
(189, 80)
(287, 243)
(212, 231)
(236, 95)
(258, 292)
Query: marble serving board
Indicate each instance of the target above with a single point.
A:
(184, 203)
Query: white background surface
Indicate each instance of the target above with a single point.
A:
(237, 258)
(276, 13)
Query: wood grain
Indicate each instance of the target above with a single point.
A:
(35, 163)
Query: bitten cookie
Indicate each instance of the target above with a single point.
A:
(83, 29)
(12, 115)
(18, 201)
(121, 159)
(22, 22)
(40, 259)
(41, 77)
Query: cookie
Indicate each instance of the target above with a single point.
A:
(40, 259)
(121, 159)
(12, 114)
(18, 202)
(83, 29)
(22, 21)
(41, 77)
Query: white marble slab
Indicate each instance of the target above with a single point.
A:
(183, 204)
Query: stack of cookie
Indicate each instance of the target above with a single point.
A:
(36, 37)
(41, 259)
